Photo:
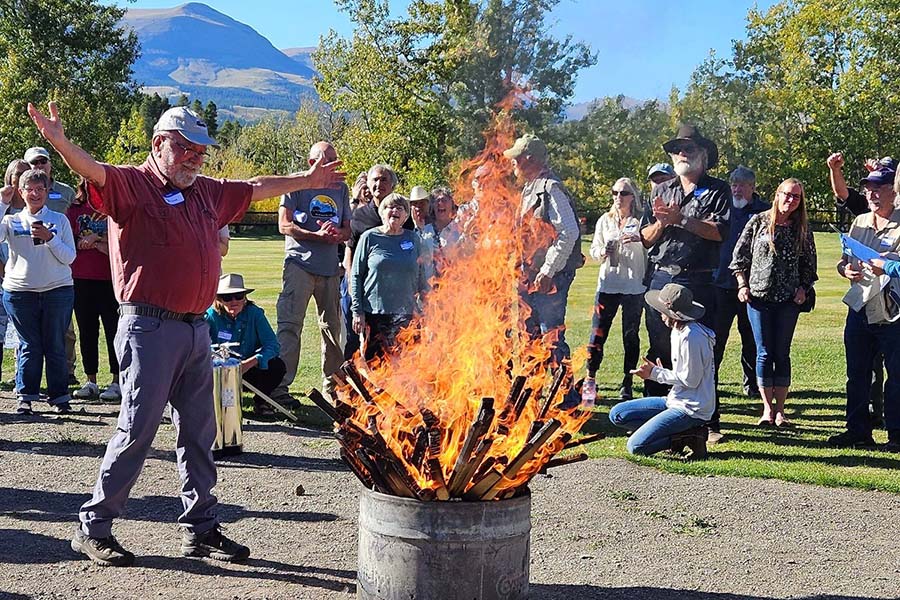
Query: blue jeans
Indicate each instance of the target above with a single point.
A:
(652, 422)
(861, 342)
(548, 313)
(41, 320)
(773, 326)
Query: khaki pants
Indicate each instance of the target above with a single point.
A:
(70, 348)
(298, 286)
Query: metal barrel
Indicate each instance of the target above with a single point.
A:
(446, 550)
(227, 403)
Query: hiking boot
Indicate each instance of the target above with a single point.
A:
(63, 408)
(212, 544)
(87, 391)
(693, 439)
(626, 392)
(24, 408)
(113, 393)
(106, 552)
(849, 439)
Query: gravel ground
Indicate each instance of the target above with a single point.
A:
(601, 529)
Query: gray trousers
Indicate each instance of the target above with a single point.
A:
(161, 361)
(298, 286)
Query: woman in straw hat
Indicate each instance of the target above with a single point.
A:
(679, 419)
(234, 318)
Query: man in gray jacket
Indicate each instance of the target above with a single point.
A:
(549, 271)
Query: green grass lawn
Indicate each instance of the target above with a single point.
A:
(816, 403)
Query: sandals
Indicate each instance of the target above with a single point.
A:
(782, 421)
(765, 422)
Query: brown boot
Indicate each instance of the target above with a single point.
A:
(693, 439)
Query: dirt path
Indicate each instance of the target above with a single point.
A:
(601, 529)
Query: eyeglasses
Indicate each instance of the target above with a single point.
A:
(34, 189)
(869, 191)
(687, 148)
(621, 193)
(232, 297)
(187, 150)
(39, 161)
(791, 195)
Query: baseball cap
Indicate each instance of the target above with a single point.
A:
(187, 123)
(880, 177)
(37, 151)
(529, 144)
(664, 168)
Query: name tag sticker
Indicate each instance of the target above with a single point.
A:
(407, 245)
(887, 242)
(173, 198)
(225, 335)
(54, 196)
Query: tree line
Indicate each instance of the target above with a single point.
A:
(416, 91)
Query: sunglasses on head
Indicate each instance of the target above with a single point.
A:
(232, 297)
(39, 161)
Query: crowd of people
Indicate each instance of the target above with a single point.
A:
(139, 250)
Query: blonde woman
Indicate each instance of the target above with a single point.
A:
(623, 260)
(774, 263)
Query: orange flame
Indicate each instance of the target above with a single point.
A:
(469, 343)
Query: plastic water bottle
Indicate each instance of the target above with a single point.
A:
(588, 392)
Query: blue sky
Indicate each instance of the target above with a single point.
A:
(643, 46)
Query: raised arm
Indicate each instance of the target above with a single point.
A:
(319, 175)
(75, 156)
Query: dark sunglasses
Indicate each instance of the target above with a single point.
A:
(684, 148)
(621, 193)
(232, 297)
(39, 161)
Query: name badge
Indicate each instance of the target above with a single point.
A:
(173, 198)
(407, 245)
(887, 242)
(225, 335)
(54, 196)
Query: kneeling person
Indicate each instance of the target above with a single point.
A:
(233, 318)
(678, 419)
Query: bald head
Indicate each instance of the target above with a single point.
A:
(322, 150)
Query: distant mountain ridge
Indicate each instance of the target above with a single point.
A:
(196, 50)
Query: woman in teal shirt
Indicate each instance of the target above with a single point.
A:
(235, 319)
(388, 278)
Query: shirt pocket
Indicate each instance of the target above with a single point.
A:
(159, 226)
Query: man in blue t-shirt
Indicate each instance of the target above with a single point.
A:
(314, 223)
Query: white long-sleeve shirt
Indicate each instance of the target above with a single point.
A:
(38, 268)
(693, 372)
(627, 277)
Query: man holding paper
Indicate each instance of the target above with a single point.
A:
(873, 318)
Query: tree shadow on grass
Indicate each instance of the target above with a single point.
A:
(541, 591)
(888, 461)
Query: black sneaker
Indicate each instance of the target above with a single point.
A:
(63, 408)
(24, 408)
(851, 440)
(212, 544)
(106, 552)
(892, 446)
(73, 381)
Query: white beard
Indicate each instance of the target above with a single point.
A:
(683, 168)
(738, 202)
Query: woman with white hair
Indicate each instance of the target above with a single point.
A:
(623, 261)
(389, 274)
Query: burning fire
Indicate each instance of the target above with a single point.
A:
(467, 405)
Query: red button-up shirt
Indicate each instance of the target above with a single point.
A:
(164, 250)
